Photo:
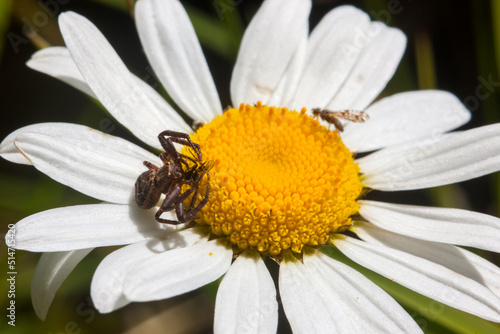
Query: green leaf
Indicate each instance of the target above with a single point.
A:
(221, 36)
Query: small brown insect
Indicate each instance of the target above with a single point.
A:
(332, 117)
(169, 179)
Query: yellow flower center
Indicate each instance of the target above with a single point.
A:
(280, 179)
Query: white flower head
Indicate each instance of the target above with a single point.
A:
(282, 185)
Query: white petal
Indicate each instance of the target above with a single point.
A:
(177, 271)
(169, 40)
(331, 56)
(454, 258)
(405, 117)
(107, 283)
(94, 163)
(79, 135)
(57, 62)
(9, 151)
(51, 271)
(375, 308)
(423, 276)
(110, 80)
(267, 48)
(324, 296)
(383, 159)
(86, 226)
(299, 293)
(453, 158)
(381, 49)
(452, 226)
(246, 299)
(284, 93)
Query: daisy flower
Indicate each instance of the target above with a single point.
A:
(283, 186)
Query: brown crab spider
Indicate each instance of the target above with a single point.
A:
(171, 177)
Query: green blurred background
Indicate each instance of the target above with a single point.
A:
(452, 45)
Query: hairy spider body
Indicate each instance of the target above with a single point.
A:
(332, 117)
(177, 171)
(146, 193)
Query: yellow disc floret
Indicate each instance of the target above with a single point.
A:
(280, 180)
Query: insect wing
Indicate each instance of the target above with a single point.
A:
(209, 164)
(352, 115)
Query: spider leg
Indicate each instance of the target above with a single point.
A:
(165, 158)
(167, 139)
(186, 194)
(151, 165)
(166, 221)
(196, 182)
(183, 141)
(186, 165)
(194, 187)
(195, 196)
(191, 213)
(189, 143)
(179, 136)
(170, 151)
(169, 148)
(179, 211)
(169, 204)
(189, 158)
